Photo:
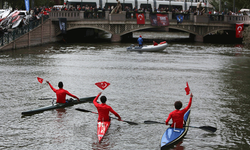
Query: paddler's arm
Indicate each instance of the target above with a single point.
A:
(116, 114)
(96, 98)
(189, 104)
(51, 86)
(169, 117)
(73, 96)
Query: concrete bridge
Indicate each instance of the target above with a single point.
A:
(119, 25)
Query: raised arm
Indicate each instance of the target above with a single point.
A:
(189, 104)
(51, 86)
(96, 98)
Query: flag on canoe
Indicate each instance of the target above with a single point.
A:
(187, 89)
(102, 85)
(40, 80)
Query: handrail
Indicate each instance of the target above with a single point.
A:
(8, 37)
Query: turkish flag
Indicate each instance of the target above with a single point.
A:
(102, 85)
(239, 30)
(40, 80)
(140, 18)
(187, 89)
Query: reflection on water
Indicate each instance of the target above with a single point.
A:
(61, 112)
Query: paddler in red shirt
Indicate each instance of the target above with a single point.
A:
(177, 115)
(61, 93)
(104, 109)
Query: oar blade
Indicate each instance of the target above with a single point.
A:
(208, 128)
(152, 122)
(131, 123)
(45, 98)
(83, 110)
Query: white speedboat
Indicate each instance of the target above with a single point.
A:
(148, 48)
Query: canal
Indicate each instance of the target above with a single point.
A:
(144, 86)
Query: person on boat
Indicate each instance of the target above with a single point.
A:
(177, 115)
(155, 43)
(140, 41)
(61, 93)
(104, 109)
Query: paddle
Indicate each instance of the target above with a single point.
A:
(46, 98)
(84, 110)
(206, 128)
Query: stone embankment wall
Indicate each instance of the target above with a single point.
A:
(44, 33)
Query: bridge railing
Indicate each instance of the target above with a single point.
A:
(8, 37)
(77, 15)
(206, 18)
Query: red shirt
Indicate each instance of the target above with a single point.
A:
(61, 94)
(103, 110)
(177, 116)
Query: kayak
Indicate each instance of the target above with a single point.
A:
(102, 128)
(172, 135)
(59, 105)
(148, 48)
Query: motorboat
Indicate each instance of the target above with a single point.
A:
(148, 48)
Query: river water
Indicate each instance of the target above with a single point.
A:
(144, 86)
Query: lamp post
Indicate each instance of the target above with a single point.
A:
(123, 6)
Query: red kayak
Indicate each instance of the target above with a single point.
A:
(102, 128)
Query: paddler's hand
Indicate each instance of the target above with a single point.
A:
(78, 99)
(191, 95)
(100, 93)
(119, 119)
(47, 82)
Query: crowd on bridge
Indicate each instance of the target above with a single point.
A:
(92, 11)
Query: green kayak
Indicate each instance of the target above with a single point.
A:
(55, 106)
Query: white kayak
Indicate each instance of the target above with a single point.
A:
(148, 48)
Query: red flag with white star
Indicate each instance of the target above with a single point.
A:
(140, 18)
(40, 80)
(102, 85)
(187, 89)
